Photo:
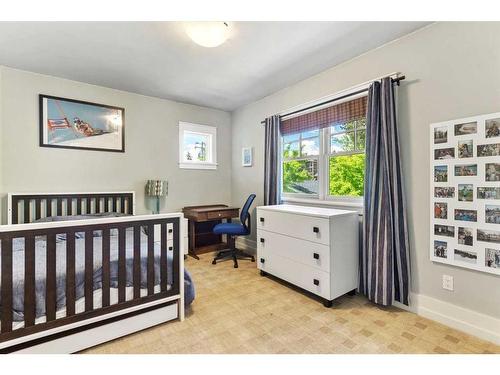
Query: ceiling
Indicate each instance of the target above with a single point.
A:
(158, 58)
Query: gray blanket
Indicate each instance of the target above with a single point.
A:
(40, 267)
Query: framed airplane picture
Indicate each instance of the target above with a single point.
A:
(69, 123)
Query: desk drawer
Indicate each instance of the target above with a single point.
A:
(218, 215)
(315, 229)
(308, 278)
(308, 253)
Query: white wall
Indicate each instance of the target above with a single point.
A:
(452, 70)
(151, 146)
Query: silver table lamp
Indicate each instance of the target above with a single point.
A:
(157, 189)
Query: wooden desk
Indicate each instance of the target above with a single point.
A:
(202, 219)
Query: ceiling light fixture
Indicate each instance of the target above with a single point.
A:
(208, 34)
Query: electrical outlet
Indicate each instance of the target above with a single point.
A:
(448, 282)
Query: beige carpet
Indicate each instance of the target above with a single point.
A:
(238, 311)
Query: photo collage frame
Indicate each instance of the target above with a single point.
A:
(465, 193)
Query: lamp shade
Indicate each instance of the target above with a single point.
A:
(156, 188)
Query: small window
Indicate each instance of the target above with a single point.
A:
(197, 146)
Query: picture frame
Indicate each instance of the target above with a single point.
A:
(246, 157)
(77, 124)
(464, 177)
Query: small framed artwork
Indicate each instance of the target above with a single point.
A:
(246, 157)
(69, 123)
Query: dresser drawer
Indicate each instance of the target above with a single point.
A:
(304, 227)
(308, 253)
(305, 277)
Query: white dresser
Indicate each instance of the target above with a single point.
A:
(313, 248)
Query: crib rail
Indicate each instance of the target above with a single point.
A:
(164, 228)
(26, 207)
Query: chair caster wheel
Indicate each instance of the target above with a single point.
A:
(263, 273)
(253, 259)
(214, 262)
(235, 266)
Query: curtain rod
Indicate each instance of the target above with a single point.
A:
(394, 80)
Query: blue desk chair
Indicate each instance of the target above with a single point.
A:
(232, 230)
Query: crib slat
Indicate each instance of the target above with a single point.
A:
(176, 277)
(88, 206)
(122, 204)
(70, 273)
(89, 270)
(151, 260)
(114, 202)
(163, 258)
(50, 278)
(69, 206)
(122, 271)
(106, 204)
(27, 211)
(6, 284)
(78, 206)
(15, 214)
(137, 261)
(49, 206)
(38, 209)
(29, 281)
(105, 267)
(59, 206)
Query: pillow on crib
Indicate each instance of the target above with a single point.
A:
(62, 237)
(49, 219)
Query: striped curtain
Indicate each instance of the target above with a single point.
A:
(272, 166)
(384, 262)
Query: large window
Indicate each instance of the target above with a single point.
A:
(197, 146)
(326, 160)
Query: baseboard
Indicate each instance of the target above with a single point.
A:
(480, 325)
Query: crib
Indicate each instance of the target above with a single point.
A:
(72, 284)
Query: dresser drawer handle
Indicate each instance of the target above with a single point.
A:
(316, 282)
(262, 260)
(170, 230)
(315, 229)
(261, 219)
(262, 240)
(170, 248)
(316, 256)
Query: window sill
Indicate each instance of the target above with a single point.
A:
(317, 202)
(198, 165)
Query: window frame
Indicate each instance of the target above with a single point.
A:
(204, 130)
(325, 153)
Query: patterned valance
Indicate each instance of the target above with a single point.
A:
(340, 113)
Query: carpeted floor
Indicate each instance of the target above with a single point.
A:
(238, 311)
